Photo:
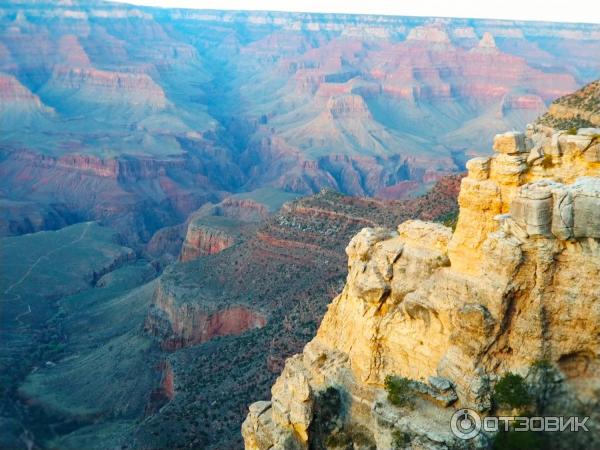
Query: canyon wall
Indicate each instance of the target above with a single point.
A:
(203, 240)
(180, 322)
(137, 116)
(512, 289)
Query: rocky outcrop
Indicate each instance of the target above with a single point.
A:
(432, 34)
(122, 169)
(14, 93)
(488, 42)
(347, 106)
(246, 210)
(101, 86)
(513, 288)
(215, 227)
(166, 243)
(202, 240)
(581, 108)
(180, 322)
(523, 102)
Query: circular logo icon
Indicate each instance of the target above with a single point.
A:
(465, 424)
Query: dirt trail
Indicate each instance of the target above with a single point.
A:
(17, 297)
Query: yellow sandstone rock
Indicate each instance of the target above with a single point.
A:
(518, 282)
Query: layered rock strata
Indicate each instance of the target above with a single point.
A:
(181, 323)
(204, 240)
(514, 286)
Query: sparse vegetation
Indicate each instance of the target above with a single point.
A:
(512, 391)
(350, 438)
(450, 219)
(542, 364)
(547, 162)
(325, 429)
(361, 438)
(572, 131)
(543, 376)
(399, 390)
(339, 440)
(400, 439)
(580, 104)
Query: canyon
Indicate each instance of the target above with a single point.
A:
(136, 116)
(177, 188)
(175, 345)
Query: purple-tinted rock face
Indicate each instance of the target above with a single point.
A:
(96, 97)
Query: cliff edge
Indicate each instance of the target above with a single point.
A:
(514, 290)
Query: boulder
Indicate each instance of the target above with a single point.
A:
(479, 168)
(441, 391)
(532, 207)
(586, 208)
(510, 143)
(576, 210)
(592, 153)
(562, 213)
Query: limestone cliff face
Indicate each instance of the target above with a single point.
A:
(517, 283)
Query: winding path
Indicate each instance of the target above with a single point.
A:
(17, 297)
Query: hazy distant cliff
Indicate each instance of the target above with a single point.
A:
(137, 116)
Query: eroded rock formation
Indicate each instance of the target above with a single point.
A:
(204, 240)
(581, 108)
(516, 284)
(180, 322)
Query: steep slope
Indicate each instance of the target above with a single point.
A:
(581, 108)
(36, 271)
(228, 320)
(450, 317)
(19, 106)
(105, 356)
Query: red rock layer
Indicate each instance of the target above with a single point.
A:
(204, 240)
(199, 327)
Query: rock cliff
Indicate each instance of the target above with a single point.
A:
(203, 240)
(180, 322)
(581, 108)
(109, 109)
(514, 288)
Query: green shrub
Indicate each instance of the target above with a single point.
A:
(449, 219)
(362, 437)
(543, 384)
(325, 426)
(351, 437)
(340, 439)
(399, 390)
(518, 440)
(542, 364)
(400, 439)
(512, 390)
(572, 131)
